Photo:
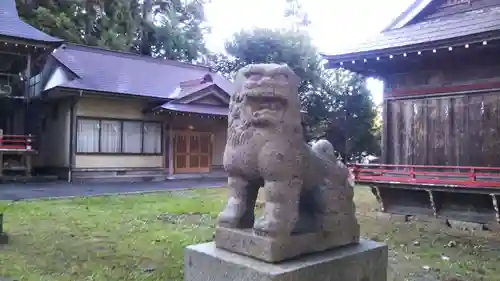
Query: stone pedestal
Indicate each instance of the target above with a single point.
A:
(365, 261)
(245, 242)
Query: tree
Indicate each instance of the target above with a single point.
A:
(261, 45)
(342, 111)
(296, 13)
(338, 104)
(171, 29)
(147, 29)
(221, 63)
(111, 24)
(56, 20)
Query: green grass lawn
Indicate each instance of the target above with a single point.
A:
(107, 238)
(142, 237)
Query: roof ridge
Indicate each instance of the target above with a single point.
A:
(12, 26)
(418, 6)
(487, 9)
(455, 16)
(408, 14)
(130, 55)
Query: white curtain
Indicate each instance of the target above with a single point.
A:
(110, 136)
(152, 138)
(88, 136)
(134, 134)
(132, 137)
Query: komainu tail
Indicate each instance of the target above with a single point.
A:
(325, 149)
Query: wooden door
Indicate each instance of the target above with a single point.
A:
(192, 152)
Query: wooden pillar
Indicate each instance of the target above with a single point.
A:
(72, 138)
(386, 153)
(170, 150)
(27, 97)
(1, 154)
(28, 75)
(426, 132)
(385, 133)
(28, 156)
(378, 196)
(1, 164)
(211, 151)
(496, 207)
(432, 202)
(27, 159)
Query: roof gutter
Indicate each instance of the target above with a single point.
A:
(82, 92)
(35, 43)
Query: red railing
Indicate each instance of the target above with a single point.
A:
(16, 142)
(451, 176)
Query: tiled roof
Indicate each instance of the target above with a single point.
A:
(450, 27)
(410, 13)
(186, 89)
(12, 26)
(125, 73)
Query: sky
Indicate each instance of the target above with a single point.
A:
(335, 24)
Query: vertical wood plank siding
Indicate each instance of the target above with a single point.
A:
(455, 130)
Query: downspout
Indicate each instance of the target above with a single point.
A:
(72, 137)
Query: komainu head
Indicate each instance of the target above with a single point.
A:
(266, 96)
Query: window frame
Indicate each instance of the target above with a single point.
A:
(100, 119)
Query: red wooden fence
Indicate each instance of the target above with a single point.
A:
(16, 142)
(451, 176)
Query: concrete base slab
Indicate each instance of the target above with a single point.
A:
(245, 242)
(4, 238)
(465, 225)
(495, 227)
(393, 217)
(365, 261)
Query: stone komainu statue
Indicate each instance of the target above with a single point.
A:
(306, 188)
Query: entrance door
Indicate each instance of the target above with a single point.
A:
(192, 152)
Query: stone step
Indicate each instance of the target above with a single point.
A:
(24, 179)
(141, 176)
(198, 176)
(124, 175)
(121, 172)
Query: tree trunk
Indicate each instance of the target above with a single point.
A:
(147, 16)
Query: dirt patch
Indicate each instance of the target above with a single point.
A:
(428, 251)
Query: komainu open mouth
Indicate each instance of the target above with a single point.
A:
(266, 102)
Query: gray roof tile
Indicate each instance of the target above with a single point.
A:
(12, 26)
(125, 73)
(450, 27)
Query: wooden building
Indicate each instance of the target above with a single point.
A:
(440, 63)
(81, 113)
(23, 51)
(110, 114)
